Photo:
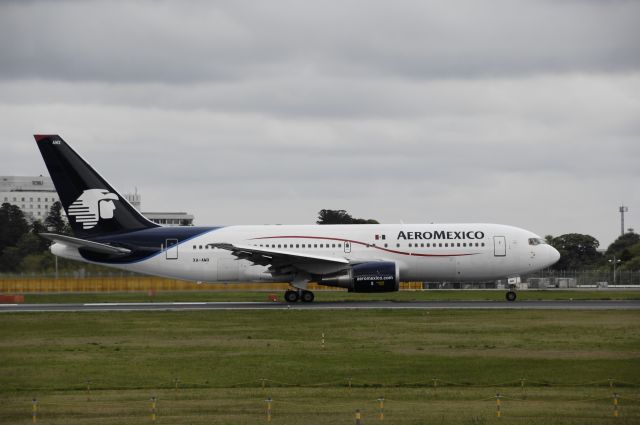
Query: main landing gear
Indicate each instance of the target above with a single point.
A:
(511, 295)
(299, 295)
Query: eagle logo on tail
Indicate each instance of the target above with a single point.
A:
(93, 205)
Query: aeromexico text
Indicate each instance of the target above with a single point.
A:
(441, 234)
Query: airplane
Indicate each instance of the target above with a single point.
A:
(109, 231)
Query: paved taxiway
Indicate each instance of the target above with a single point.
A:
(369, 305)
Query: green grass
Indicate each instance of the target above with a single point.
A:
(220, 358)
(428, 295)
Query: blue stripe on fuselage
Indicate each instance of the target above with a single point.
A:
(145, 243)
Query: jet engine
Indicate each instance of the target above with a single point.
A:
(373, 276)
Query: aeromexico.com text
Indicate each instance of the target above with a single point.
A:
(441, 234)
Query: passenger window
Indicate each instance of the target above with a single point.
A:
(482, 243)
(397, 245)
(385, 245)
(440, 244)
(279, 246)
(333, 245)
(315, 245)
(200, 247)
(339, 245)
(194, 247)
(409, 245)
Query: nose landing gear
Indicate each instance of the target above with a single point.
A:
(299, 295)
(511, 295)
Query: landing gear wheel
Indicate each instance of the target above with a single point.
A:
(291, 296)
(511, 296)
(307, 297)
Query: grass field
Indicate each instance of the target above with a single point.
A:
(222, 357)
(428, 295)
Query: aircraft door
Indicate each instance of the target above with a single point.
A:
(171, 249)
(347, 247)
(499, 246)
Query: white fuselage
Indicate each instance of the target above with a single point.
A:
(422, 252)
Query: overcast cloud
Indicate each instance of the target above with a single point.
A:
(517, 112)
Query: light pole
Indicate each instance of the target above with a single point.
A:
(615, 262)
(622, 209)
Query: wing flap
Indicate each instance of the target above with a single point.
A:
(285, 262)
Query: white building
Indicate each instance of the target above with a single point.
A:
(169, 219)
(32, 194)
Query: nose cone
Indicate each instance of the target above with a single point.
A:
(553, 255)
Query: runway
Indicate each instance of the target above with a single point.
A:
(366, 305)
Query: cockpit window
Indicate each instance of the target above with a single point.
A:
(536, 241)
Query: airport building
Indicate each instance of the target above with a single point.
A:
(169, 219)
(32, 194)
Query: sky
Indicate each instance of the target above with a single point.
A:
(517, 112)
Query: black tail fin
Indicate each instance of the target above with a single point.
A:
(92, 205)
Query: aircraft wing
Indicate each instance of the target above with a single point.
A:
(282, 261)
(88, 245)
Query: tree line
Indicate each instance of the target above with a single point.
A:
(21, 249)
(578, 251)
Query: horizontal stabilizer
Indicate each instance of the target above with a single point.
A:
(88, 245)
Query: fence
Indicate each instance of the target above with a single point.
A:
(127, 282)
(589, 277)
(144, 283)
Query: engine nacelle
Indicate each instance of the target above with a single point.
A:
(374, 276)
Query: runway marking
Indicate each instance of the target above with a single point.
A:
(357, 305)
(106, 304)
